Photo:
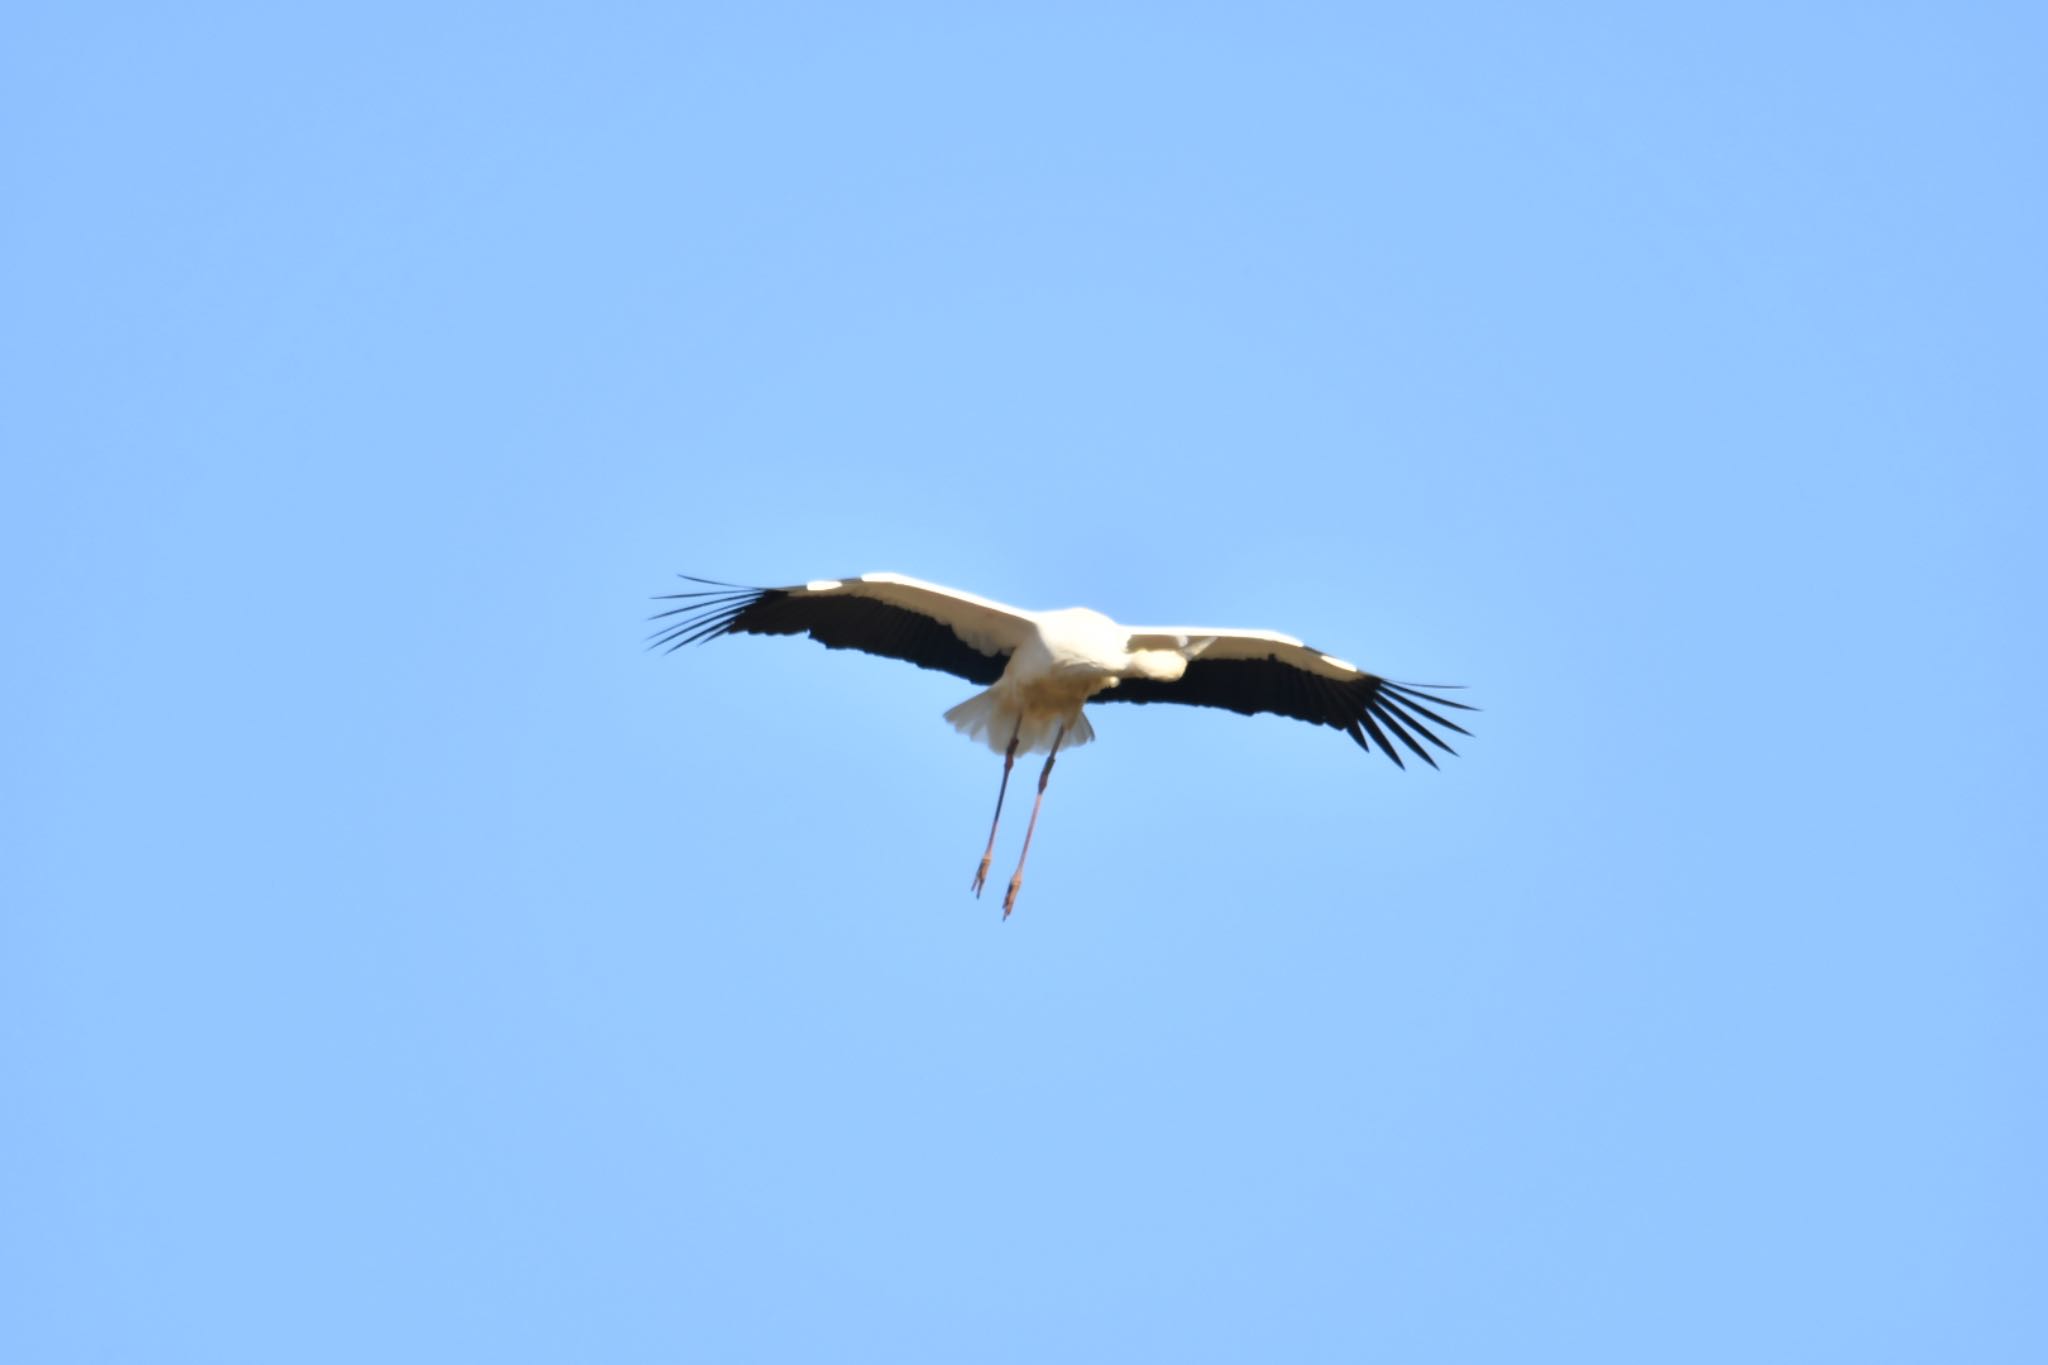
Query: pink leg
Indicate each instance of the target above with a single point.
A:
(1009, 757)
(1010, 901)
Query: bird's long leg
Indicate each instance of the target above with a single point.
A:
(1009, 758)
(1010, 901)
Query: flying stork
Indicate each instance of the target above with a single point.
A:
(1038, 667)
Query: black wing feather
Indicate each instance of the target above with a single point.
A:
(835, 621)
(1366, 707)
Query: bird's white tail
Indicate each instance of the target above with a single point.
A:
(992, 719)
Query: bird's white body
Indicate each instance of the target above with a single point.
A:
(1064, 658)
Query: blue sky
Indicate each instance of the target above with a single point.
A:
(398, 963)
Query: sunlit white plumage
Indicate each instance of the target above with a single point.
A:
(1038, 668)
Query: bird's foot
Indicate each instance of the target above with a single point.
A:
(1010, 901)
(981, 875)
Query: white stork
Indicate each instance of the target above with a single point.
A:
(1038, 667)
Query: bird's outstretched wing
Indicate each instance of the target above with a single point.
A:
(878, 613)
(1250, 671)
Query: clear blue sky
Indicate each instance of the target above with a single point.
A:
(398, 964)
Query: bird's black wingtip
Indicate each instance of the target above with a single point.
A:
(1404, 711)
(1427, 691)
(702, 615)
